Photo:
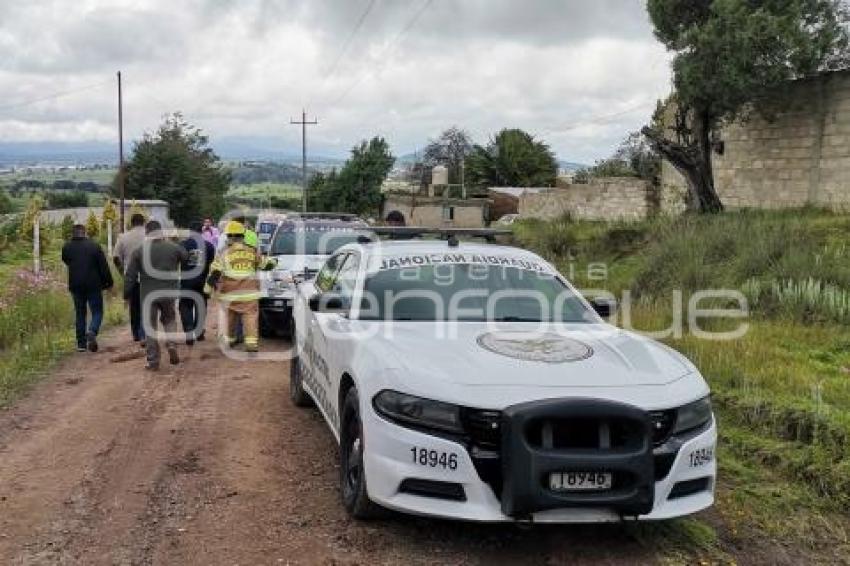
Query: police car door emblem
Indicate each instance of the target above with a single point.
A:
(535, 346)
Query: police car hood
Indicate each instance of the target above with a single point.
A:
(577, 355)
(296, 263)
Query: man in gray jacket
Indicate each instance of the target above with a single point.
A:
(156, 267)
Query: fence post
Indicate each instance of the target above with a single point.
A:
(108, 237)
(36, 245)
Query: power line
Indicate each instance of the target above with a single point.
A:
(601, 119)
(349, 39)
(382, 56)
(52, 96)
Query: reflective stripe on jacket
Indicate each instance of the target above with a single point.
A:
(238, 265)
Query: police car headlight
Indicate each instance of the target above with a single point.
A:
(283, 278)
(416, 412)
(693, 415)
(280, 281)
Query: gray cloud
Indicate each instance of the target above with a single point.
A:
(579, 73)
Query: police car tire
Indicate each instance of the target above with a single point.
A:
(355, 497)
(297, 394)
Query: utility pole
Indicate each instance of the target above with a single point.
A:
(120, 158)
(304, 123)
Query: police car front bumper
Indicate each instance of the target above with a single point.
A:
(276, 304)
(276, 310)
(419, 473)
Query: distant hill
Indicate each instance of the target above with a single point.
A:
(22, 154)
(571, 165)
(57, 153)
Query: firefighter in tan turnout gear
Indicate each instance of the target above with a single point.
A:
(234, 274)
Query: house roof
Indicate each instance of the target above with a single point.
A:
(518, 191)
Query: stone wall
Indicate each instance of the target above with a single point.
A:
(430, 211)
(603, 199)
(799, 157)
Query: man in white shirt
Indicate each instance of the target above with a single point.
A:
(128, 243)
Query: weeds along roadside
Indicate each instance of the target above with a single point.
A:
(782, 392)
(37, 316)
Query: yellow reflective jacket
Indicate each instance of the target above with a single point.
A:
(235, 269)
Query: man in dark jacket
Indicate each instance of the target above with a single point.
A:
(88, 276)
(155, 267)
(194, 272)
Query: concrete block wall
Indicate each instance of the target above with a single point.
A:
(603, 199)
(428, 212)
(800, 156)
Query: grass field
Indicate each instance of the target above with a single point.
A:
(781, 392)
(99, 176)
(37, 316)
(262, 193)
(48, 176)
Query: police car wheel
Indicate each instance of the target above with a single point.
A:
(297, 394)
(351, 472)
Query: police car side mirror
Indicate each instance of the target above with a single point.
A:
(328, 303)
(604, 307)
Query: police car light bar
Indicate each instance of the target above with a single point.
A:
(322, 216)
(411, 232)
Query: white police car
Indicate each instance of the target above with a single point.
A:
(471, 381)
(300, 244)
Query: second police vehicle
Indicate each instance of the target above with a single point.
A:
(300, 244)
(472, 381)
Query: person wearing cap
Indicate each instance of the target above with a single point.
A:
(234, 274)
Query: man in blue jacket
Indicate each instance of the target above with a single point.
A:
(88, 276)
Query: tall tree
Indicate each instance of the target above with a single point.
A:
(512, 158)
(5, 203)
(356, 188)
(176, 165)
(635, 157)
(729, 53)
(450, 149)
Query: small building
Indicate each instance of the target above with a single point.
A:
(438, 212)
(441, 205)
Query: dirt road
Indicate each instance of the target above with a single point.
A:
(208, 463)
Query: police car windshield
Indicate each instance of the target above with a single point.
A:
(470, 293)
(266, 227)
(311, 239)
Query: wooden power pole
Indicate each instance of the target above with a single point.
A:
(304, 123)
(120, 157)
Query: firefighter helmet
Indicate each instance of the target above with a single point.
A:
(234, 228)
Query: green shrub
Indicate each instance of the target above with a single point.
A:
(809, 300)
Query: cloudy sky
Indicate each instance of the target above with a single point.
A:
(578, 73)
